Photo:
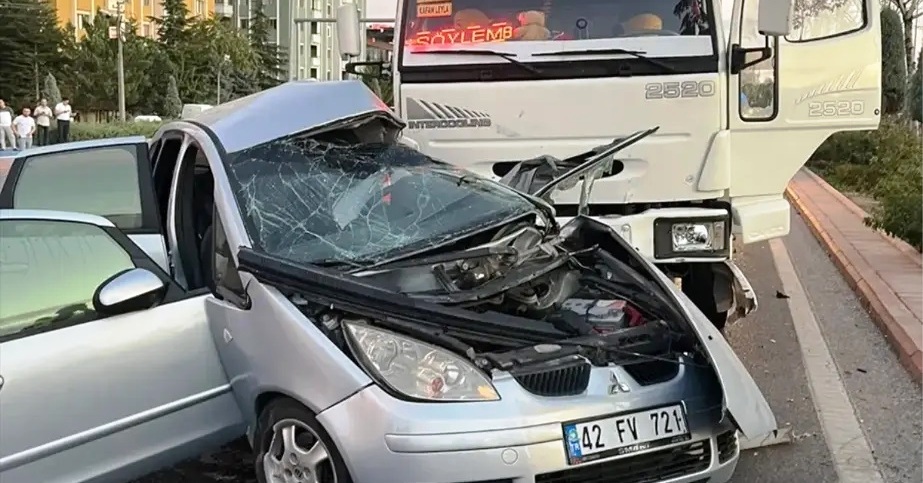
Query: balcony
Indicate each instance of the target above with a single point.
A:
(224, 9)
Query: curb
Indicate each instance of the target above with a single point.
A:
(901, 341)
(901, 245)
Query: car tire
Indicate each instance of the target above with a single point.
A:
(308, 456)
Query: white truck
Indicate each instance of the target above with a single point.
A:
(743, 93)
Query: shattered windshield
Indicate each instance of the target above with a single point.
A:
(316, 202)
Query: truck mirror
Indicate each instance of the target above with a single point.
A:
(349, 37)
(775, 17)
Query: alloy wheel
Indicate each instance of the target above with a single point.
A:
(297, 455)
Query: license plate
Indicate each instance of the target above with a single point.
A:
(625, 433)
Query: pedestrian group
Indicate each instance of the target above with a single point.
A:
(21, 131)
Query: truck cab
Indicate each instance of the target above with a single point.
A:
(742, 91)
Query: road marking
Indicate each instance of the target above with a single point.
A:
(851, 451)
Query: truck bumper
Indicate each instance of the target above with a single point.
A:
(638, 229)
(744, 296)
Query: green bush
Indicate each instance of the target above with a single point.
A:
(885, 164)
(81, 131)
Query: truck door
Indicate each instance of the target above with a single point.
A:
(824, 77)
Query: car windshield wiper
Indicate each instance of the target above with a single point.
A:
(638, 54)
(511, 57)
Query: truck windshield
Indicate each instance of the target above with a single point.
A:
(431, 23)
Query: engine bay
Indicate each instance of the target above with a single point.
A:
(568, 284)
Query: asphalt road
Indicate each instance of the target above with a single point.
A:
(878, 416)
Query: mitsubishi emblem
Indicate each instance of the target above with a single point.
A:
(615, 385)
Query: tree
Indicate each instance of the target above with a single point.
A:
(893, 63)
(173, 105)
(51, 91)
(29, 40)
(909, 11)
(95, 67)
(916, 91)
(270, 58)
(213, 47)
(171, 29)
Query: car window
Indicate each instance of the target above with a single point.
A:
(49, 271)
(5, 164)
(100, 181)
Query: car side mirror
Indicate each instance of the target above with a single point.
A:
(129, 291)
(349, 37)
(775, 17)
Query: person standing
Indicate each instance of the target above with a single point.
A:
(42, 122)
(62, 113)
(24, 125)
(6, 127)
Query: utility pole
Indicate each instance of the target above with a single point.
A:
(120, 5)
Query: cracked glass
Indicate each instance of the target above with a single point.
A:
(320, 202)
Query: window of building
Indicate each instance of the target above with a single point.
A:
(146, 29)
(83, 19)
(314, 28)
(273, 24)
(329, 75)
(314, 51)
(245, 23)
(315, 4)
(313, 73)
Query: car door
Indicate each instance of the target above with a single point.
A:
(108, 177)
(89, 397)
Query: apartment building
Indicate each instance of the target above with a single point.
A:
(310, 46)
(81, 12)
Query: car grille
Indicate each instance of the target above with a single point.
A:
(727, 446)
(566, 379)
(646, 468)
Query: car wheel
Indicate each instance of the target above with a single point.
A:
(292, 447)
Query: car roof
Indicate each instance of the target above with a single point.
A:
(71, 146)
(291, 108)
(21, 214)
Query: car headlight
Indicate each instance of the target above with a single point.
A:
(416, 369)
(691, 238)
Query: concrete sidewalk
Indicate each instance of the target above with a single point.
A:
(886, 273)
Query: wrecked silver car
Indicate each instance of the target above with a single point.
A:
(381, 316)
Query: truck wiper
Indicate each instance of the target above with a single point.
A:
(638, 54)
(511, 57)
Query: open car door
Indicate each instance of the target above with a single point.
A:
(105, 177)
(821, 78)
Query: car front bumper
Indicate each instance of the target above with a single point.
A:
(518, 440)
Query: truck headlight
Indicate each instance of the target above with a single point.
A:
(691, 237)
(416, 369)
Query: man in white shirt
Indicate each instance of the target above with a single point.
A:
(7, 140)
(42, 116)
(62, 113)
(24, 126)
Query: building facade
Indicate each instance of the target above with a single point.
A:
(80, 12)
(310, 46)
